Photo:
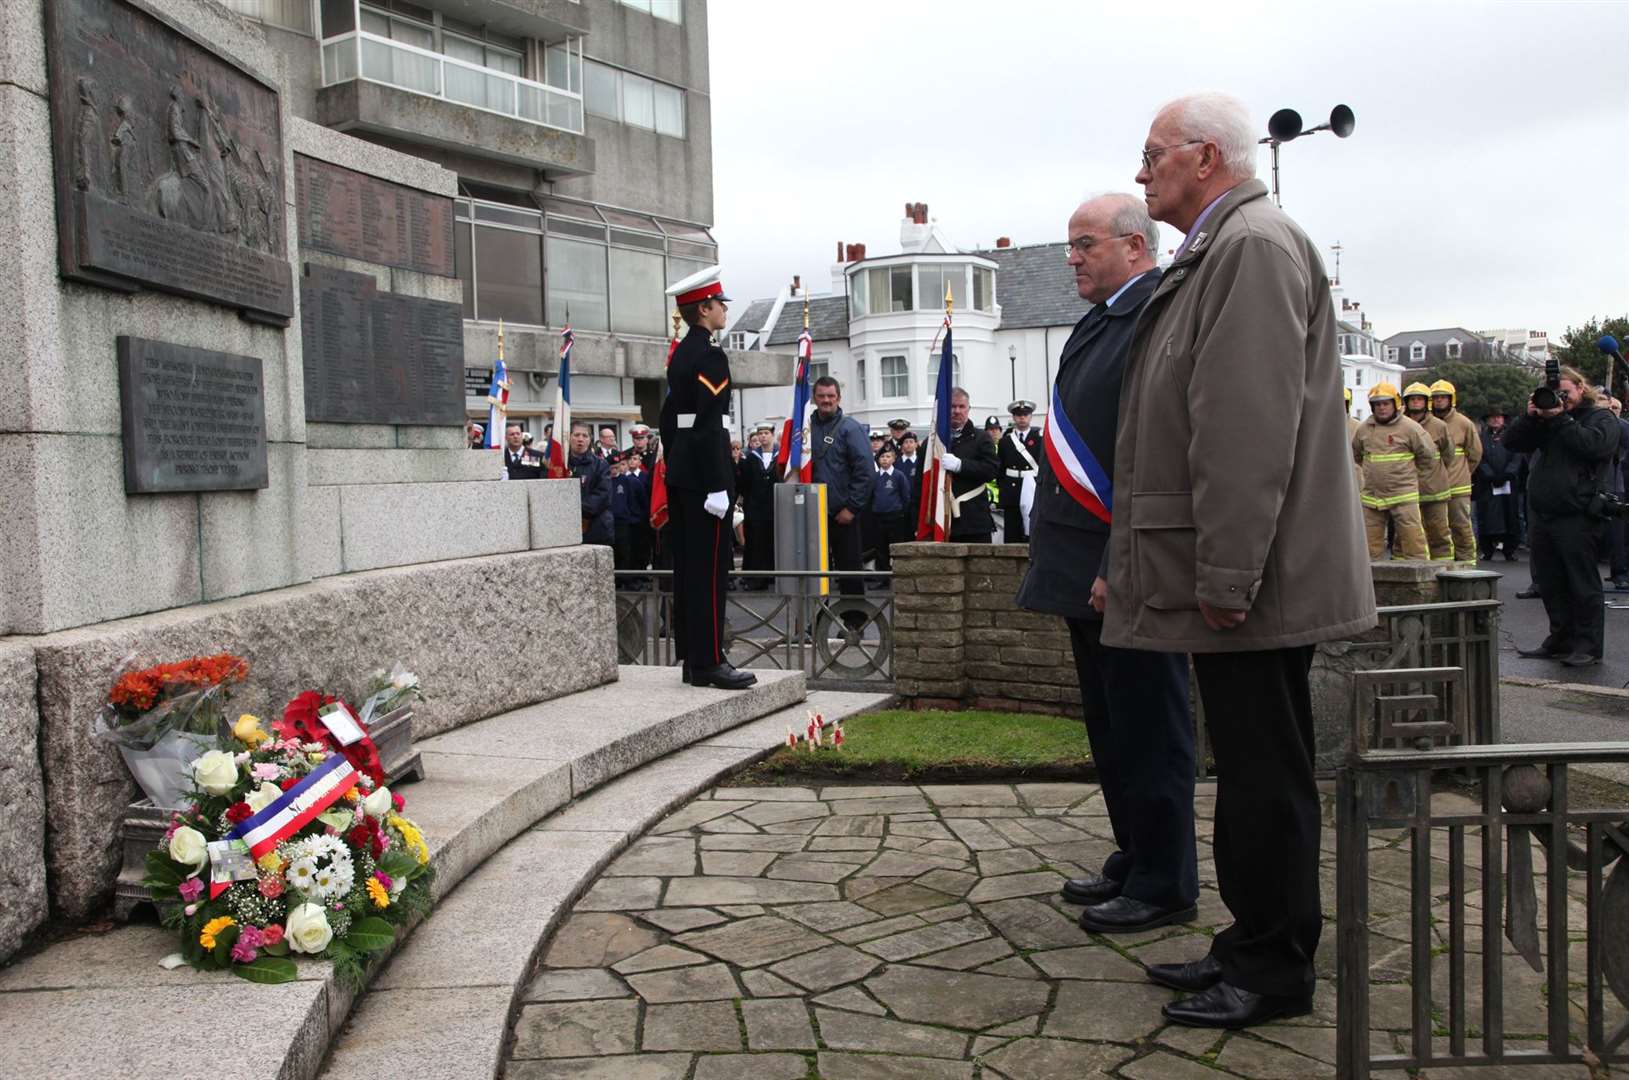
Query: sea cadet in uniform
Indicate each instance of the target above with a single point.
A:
(700, 483)
(1020, 451)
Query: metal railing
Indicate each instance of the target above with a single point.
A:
(359, 54)
(839, 642)
(1462, 1007)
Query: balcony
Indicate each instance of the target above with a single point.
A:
(390, 87)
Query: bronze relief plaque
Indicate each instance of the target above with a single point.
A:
(168, 162)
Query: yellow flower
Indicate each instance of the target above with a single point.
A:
(248, 731)
(411, 837)
(352, 795)
(206, 938)
(378, 893)
(271, 862)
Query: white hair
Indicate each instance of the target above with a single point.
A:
(1128, 215)
(1221, 119)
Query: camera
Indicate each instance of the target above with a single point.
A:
(1609, 506)
(1545, 397)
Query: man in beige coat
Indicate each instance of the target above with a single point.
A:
(1239, 541)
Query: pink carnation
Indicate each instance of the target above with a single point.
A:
(272, 934)
(271, 886)
(383, 878)
(243, 952)
(191, 889)
(398, 801)
(266, 770)
(253, 935)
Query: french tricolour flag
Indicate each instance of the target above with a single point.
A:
(558, 467)
(497, 398)
(1073, 465)
(793, 458)
(933, 520)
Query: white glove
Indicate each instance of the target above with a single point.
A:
(717, 504)
(951, 462)
(1026, 496)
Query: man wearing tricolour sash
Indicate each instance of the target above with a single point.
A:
(1135, 702)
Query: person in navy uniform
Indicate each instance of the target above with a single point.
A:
(521, 462)
(890, 499)
(896, 436)
(972, 463)
(1020, 451)
(756, 481)
(700, 483)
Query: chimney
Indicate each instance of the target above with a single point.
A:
(854, 252)
(797, 283)
(1003, 242)
(839, 251)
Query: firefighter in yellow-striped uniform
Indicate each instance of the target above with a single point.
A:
(1396, 455)
(1352, 424)
(1462, 459)
(1433, 489)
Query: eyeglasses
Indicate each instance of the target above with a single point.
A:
(1155, 151)
(1082, 244)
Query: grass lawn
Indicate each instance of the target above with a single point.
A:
(899, 744)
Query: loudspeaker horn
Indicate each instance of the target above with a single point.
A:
(1284, 125)
(1341, 121)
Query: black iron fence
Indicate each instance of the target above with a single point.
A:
(841, 642)
(1456, 938)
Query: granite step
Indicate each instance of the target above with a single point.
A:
(99, 1005)
(461, 973)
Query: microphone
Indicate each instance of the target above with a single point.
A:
(1609, 345)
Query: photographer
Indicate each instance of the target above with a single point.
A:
(1573, 443)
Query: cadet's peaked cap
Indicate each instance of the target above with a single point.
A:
(764, 425)
(639, 429)
(878, 433)
(901, 424)
(702, 285)
(1021, 408)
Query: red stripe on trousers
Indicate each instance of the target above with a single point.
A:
(718, 527)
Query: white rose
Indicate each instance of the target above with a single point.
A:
(187, 846)
(216, 772)
(307, 929)
(263, 796)
(378, 803)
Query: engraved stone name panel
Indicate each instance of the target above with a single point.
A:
(375, 357)
(362, 217)
(169, 162)
(194, 419)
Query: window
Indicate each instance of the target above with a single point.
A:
(638, 301)
(933, 279)
(577, 284)
(819, 368)
(289, 14)
(983, 289)
(933, 371)
(1391, 354)
(470, 87)
(890, 289)
(509, 275)
(1416, 351)
(671, 10)
(633, 99)
(1453, 348)
(896, 377)
(857, 294)
(1359, 374)
(738, 340)
(859, 378)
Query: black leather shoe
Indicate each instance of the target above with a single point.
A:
(1226, 1006)
(1543, 652)
(1091, 889)
(724, 676)
(1528, 593)
(1123, 915)
(1580, 659)
(1196, 976)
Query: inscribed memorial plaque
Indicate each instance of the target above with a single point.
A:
(375, 357)
(194, 419)
(169, 162)
(362, 217)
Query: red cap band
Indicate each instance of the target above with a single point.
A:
(696, 296)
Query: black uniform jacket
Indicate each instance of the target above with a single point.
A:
(528, 464)
(757, 487)
(1012, 486)
(698, 399)
(1067, 542)
(979, 467)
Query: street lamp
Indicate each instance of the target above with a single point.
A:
(1012, 366)
(1285, 125)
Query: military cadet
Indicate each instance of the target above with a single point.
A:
(755, 479)
(896, 436)
(1434, 489)
(700, 483)
(643, 447)
(1019, 450)
(879, 439)
(521, 462)
(1396, 456)
(1460, 461)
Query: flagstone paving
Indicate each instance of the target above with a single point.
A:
(914, 933)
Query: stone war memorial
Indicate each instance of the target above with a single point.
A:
(261, 606)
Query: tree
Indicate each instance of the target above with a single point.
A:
(1479, 386)
(1578, 349)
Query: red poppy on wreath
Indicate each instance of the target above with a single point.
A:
(300, 721)
(239, 811)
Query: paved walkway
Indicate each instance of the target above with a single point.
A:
(873, 933)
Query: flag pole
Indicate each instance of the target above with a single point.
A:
(947, 492)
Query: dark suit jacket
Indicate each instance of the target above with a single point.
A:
(757, 487)
(979, 467)
(529, 464)
(1068, 544)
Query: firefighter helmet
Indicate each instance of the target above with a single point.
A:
(1443, 386)
(1385, 390)
(1418, 389)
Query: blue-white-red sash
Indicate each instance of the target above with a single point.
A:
(297, 806)
(1077, 471)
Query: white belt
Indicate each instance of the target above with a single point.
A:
(1018, 472)
(688, 420)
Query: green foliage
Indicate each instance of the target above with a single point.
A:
(1577, 349)
(163, 872)
(1482, 385)
(911, 741)
(266, 969)
(371, 935)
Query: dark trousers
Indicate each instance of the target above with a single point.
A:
(890, 531)
(843, 542)
(759, 553)
(1258, 709)
(1565, 560)
(1142, 740)
(701, 566)
(1617, 532)
(1012, 525)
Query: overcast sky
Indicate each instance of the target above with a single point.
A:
(1486, 185)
